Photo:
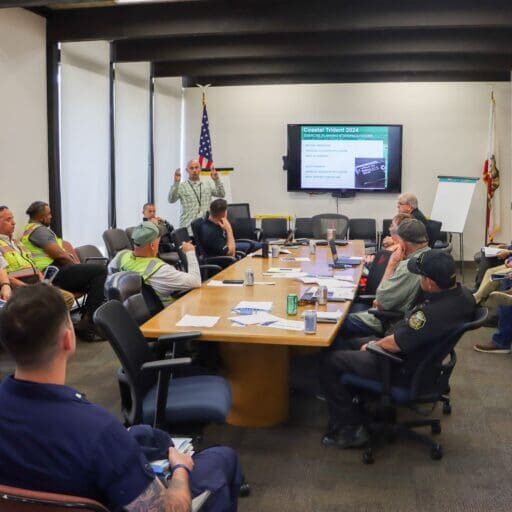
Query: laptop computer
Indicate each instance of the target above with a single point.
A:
(343, 261)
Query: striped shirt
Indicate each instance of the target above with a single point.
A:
(195, 197)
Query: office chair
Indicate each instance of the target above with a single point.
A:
(204, 258)
(244, 226)
(321, 223)
(435, 237)
(90, 254)
(116, 240)
(155, 397)
(303, 227)
(274, 228)
(386, 224)
(129, 232)
(121, 285)
(15, 499)
(428, 385)
(363, 229)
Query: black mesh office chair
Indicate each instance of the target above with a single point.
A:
(244, 226)
(376, 270)
(90, 254)
(363, 229)
(321, 223)
(116, 240)
(274, 228)
(435, 238)
(303, 227)
(427, 386)
(155, 397)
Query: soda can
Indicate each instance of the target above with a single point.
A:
(312, 247)
(322, 295)
(310, 321)
(292, 301)
(331, 234)
(274, 251)
(249, 277)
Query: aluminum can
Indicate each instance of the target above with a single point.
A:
(331, 234)
(310, 321)
(249, 277)
(292, 301)
(322, 295)
(312, 247)
(274, 251)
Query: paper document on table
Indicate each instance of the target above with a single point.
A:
(291, 259)
(220, 284)
(282, 270)
(491, 252)
(197, 321)
(264, 283)
(340, 294)
(330, 282)
(284, 275)
(254, 305)
(259, 318)
(327, 315)
(341, 277)
(290, 325)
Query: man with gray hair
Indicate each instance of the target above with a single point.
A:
(398, 288)
(408, 203)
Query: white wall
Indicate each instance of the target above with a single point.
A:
(445, 132)
(167, 144)
(23, 129)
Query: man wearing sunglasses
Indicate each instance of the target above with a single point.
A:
(446, 306)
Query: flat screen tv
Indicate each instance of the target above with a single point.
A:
(328, 157)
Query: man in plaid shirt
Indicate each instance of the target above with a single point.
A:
(195, 194)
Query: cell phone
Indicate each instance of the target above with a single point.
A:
(50, 273)
(2, 303)
(233, 281)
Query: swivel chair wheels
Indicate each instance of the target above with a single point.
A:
(436, 452)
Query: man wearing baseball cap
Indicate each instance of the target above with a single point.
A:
(446, 306)
(161, 276)
(398, 288)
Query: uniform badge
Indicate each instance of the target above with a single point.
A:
(417, 320)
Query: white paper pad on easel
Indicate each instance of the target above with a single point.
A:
(197, 321)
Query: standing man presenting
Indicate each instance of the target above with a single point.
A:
(195, 194)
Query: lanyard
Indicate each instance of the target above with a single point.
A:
(198, 197)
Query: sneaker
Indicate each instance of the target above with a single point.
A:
(491, 348)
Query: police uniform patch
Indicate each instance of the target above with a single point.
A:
(417, 320)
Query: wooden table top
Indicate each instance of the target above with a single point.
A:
(218, 301)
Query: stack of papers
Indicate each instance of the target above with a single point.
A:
(248, 307)
(258, 318)
(290, 325)
(327, 316)
(282, 270)
(291, 259)
(491, 252)
(197, 321)
(183, 445)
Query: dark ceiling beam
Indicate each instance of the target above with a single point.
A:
(38, 3)
(192, 18)
(449, 76)
(340, 65)
(480, 41)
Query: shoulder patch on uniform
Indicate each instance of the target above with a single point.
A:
(417, 320)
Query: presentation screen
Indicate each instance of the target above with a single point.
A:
(344, 157)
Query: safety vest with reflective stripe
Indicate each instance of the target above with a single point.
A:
(18, 263)
(39, 257)
(145, 267)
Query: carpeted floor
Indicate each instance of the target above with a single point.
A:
(290, 471)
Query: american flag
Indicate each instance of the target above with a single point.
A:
(205, 144)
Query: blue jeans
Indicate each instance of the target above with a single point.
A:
(248, 247)
(352, 327)
(503, 336)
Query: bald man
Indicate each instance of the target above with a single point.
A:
(195, 194)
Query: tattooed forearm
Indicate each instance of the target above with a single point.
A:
(156, 498)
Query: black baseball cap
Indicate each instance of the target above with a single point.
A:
(437, 265)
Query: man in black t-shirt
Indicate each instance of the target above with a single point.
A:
(447, 305)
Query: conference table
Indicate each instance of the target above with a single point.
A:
(256, 359)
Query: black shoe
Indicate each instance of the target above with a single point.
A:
(350, 437)
(245, 490)
(89, 335)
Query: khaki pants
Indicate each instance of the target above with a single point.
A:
(68, 297)
(488, 286)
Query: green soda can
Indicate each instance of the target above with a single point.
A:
(292, 301)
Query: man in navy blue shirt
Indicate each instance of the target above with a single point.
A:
(52, 439)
